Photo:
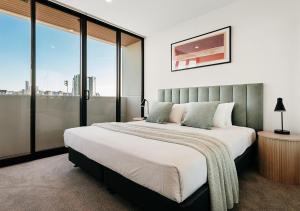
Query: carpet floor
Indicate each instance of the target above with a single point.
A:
(54, 184)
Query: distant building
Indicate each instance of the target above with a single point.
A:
(3, 92)
(67, 94)
(49, 93)
(27, 88)
(76, 85)
(91, 85)
(57, 93)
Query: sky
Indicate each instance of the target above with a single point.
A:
(57, 57)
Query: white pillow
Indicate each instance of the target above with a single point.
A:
(222, 117)
(177, 113)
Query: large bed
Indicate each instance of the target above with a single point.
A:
(156, 174)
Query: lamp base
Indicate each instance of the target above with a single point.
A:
(283, 132)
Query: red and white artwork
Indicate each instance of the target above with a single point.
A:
(204, 50)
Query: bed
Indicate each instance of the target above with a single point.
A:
(147, 175)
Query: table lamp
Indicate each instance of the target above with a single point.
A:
(280, 108)
(143, 104)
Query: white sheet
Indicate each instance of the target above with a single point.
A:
(172, 170)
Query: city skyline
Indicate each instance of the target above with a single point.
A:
(75, 91)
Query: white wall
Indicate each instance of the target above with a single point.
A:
(263, 50)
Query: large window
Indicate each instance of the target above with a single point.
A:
(14, 78)
(60, 69)
(101, 74)
(57, 75)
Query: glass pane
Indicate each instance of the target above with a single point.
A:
(101, 74)
(131, 76)
(14, 78)
(57, 76)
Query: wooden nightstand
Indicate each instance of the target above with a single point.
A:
(279, 157)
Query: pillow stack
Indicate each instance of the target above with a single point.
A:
(203, 115)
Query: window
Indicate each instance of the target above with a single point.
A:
(15, 80)
(101, 74)
(57, 75)
(60, 69)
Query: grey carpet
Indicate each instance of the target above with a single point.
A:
(53, 184)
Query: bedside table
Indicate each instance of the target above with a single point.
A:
(138, 119)
(279, 157)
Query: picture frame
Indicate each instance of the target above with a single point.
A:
(212, 48)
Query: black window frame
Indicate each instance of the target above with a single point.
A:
(83, 71)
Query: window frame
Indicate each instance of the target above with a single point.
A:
(84, 18)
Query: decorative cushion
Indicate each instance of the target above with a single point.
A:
(177, 113)
(160, 112)
(222, 117)
(200, 114)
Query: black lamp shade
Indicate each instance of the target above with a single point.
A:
(279, 105)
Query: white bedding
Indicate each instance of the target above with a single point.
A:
(174, 171)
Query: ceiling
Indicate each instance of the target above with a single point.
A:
(63, 21)
(145, 17)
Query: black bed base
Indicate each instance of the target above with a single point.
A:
(145, 198)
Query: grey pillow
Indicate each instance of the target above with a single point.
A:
(160, 112)
(200, 115)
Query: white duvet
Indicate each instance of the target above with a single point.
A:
(174, 171)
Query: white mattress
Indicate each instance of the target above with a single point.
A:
(174, 171)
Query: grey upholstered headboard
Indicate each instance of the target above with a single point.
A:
(248, 98)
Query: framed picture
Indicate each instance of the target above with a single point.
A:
(204, 50)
